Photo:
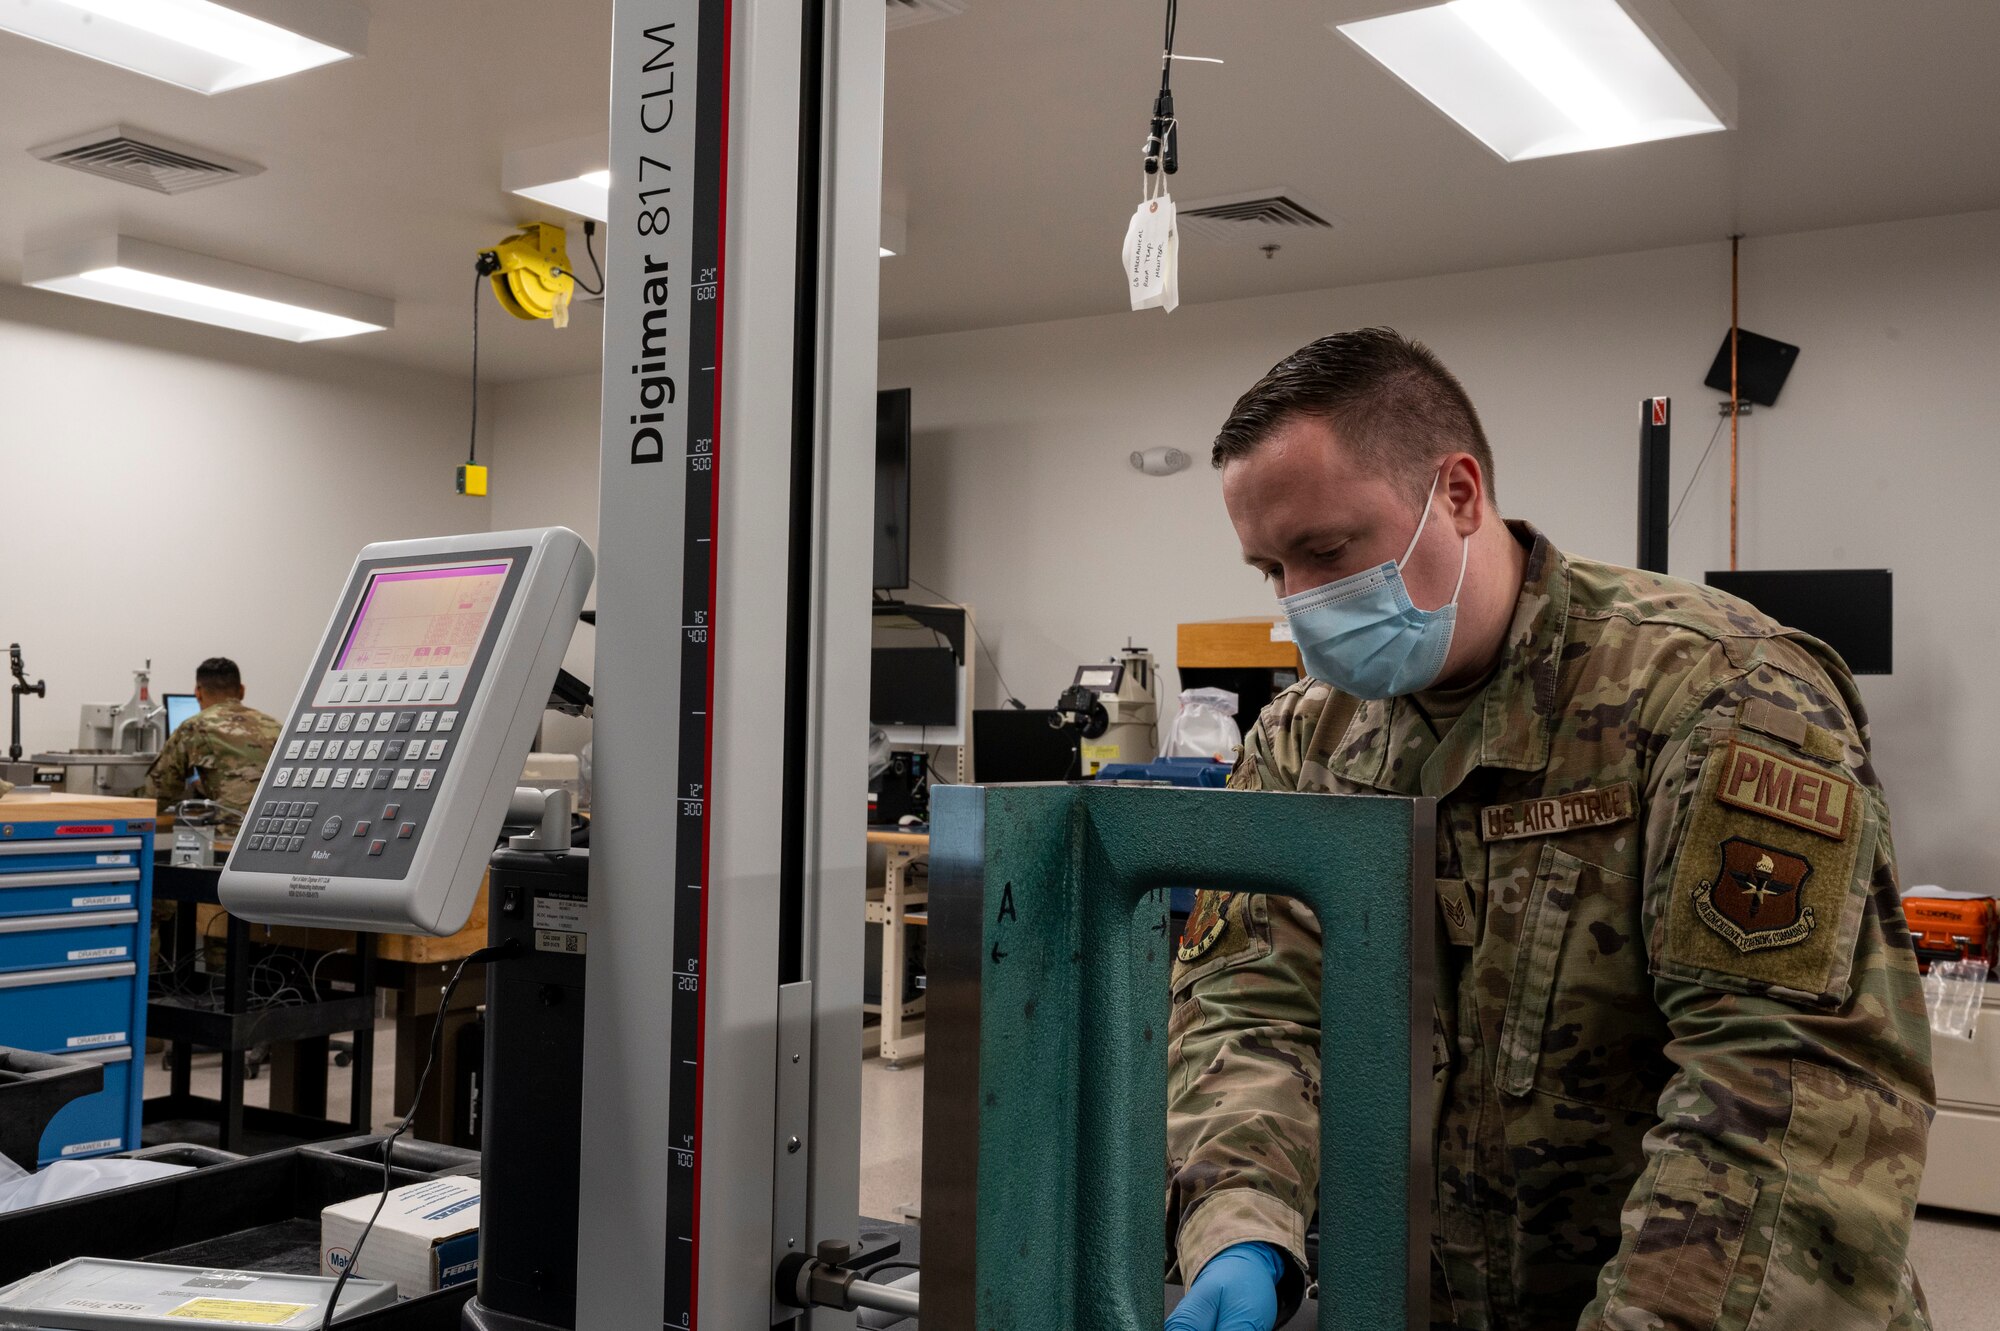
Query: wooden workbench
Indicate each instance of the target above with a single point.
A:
(21, 808)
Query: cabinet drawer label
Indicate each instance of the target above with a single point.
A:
(80, 1148)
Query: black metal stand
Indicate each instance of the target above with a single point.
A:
(235, 1027)
(1655, 452)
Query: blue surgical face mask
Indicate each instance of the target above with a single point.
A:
(1364, 636)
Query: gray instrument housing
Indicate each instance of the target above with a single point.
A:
(313, 853)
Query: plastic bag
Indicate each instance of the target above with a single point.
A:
(1952, 990)
(1205, 726)
(880, 755)
(64, 1179)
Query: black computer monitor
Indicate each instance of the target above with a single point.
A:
(180, 706)
(892, 489)
(1849, 609)
(1009, 744)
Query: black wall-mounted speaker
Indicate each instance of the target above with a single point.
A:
(1762, 365)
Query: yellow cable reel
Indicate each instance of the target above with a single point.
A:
(533, 280)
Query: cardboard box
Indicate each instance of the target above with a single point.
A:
(427, 1236)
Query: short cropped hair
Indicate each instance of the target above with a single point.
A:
(218, 674)
(1391, 399)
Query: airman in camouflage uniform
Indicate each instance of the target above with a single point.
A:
(226, 745)
(1681, 1062)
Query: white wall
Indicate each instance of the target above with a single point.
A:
(176, 492)
(545, 474)
(1025, 505)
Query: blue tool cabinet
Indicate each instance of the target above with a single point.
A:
(75, 933)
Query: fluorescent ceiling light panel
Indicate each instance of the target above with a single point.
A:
(200, 44)
(122, 271)
(1538, 78)
(574, 175)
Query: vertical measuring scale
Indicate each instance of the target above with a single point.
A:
(703, 455)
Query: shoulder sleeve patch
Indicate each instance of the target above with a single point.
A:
(1764, 884)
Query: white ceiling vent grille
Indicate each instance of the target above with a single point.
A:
(909, 13)
(150, 161)
(1261, 217)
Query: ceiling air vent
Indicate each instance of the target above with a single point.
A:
(1261, 217)
(150, 161)
(909, 13)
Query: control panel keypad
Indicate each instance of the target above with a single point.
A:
(378, 768)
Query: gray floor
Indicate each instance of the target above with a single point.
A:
(206, 1080)
(1955, 1253)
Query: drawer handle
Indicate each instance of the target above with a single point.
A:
(78, 846)
(68, 878)
(68, 975)
(92, 919)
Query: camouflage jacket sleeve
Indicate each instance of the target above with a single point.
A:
(1243, 1079)
(1782, 1175)
(166, 779)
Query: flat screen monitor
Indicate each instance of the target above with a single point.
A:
(1009, 744)
(422, 617)
(913, 686)
(892, 489)
(1848, 609)
(180, 706)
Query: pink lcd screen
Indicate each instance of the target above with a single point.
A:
(423, 617)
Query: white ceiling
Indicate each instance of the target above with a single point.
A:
(1012, 153)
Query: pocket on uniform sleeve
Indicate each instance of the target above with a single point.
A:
(1690, 1232)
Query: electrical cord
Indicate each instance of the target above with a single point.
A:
(487, 264)
(589, 230)
(508, 949)
(1012, 701)
(1697, 475)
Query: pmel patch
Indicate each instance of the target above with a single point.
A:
(1791, 792)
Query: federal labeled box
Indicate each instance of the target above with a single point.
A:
(427, 1236)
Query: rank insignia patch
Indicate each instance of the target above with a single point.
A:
(1754, 899)
(1206, 924)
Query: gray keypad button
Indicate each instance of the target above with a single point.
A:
(330, 828)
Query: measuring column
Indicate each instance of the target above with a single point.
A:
(739, 334)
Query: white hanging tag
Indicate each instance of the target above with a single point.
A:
(1152, 252)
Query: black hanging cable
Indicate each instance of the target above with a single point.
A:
(488, 264)
(497, 952)
(589, 230)
(1163, 143)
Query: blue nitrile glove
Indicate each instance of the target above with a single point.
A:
(1236, 1291)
